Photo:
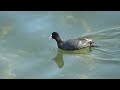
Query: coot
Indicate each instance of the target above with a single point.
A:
(71, 44)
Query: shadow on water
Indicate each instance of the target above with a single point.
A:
(59, 60)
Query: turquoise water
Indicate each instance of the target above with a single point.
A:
(27, 53)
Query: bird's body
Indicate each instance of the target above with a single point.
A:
(74, 44)
(71, 44)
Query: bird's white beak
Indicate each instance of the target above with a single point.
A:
(50, 37)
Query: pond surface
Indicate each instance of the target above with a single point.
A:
(27, 53)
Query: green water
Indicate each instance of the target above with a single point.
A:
(27, 53)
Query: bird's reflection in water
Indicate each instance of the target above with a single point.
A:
(60, 53)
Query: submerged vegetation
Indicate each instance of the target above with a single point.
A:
(4, 31)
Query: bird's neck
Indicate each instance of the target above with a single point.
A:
(59, 42)
(58, 39)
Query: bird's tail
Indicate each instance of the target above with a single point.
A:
(91, 44)
(94, 46)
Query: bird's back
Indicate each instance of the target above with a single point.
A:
(73, 44)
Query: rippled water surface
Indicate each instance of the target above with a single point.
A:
(27, 53)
